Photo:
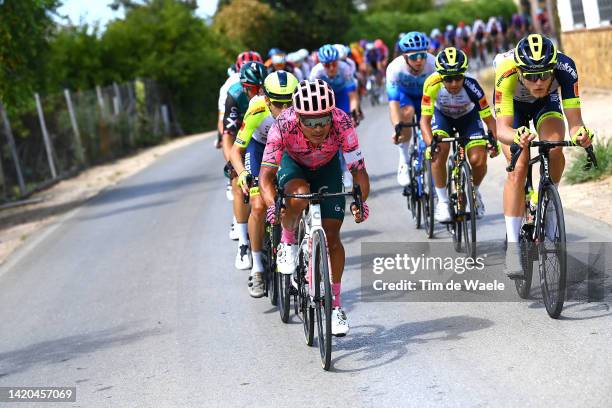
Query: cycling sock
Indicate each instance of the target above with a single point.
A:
(403, 152)
(234, 220)
(257, 265)
(336, 292)
(513, 227)
(243, 230)
(288, 236)
(442, 194)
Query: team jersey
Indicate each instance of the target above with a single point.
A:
(479, 26)
(236, 105)
(508, 88)
(401, 80)
(231, 80)
(342, 83)
(493, 26)
(286, 136)
(435, 95)
(255, 124)
(463, 32)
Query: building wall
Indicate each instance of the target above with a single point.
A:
(590, 49)
(591, 15)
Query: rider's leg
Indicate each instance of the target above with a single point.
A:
(407, 113)
(477, 156)
(551, 127)
(293, 208)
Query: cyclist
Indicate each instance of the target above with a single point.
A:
(532, 82)
(405, 78)
(252, 76)
(494, 32)
(305, 142)
(250, 142)
(455, 101)
(463, 37)
(449, 36)
(436, 41)
(478, 33)
(384, 53)
(278, 62)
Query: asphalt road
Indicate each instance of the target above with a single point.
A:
(133, 299)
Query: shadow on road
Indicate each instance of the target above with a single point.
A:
(374, 346)
(64, 349)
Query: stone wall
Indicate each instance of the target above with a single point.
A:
(592, 51)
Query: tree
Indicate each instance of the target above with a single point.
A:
(403, 6)
(248, 22)
(25, 30)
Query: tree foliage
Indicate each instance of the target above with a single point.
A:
(25, 28)
(402, 6)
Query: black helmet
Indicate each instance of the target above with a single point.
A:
(451, 61)
(253, 73)
(535, 53)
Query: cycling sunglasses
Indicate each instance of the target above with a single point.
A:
(251, 88)
(452, 78)
(417, 55)
(330, 64)
(543, 76)
(314, 121)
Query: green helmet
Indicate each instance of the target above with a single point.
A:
(451, 61)
(253, 73)
(279, 86)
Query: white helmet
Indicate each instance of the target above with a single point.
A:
(293, 57)
(435, 32)
(341, 51)
(449, 27)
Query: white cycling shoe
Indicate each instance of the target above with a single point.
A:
(256, 285)
(243, 258)
(339, 322)
(441, 212)
(403, 178)
(285, 258)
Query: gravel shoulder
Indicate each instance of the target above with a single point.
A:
(22, 223)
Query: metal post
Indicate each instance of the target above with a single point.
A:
(166, 119)
(46, 138)
(11, 140)
(117, 99)
(100, 100)
(80, 153)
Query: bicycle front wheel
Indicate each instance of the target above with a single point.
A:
(323, 296)
(551, 250)
(469, 210)
(523, 286)
(304, 306)
(271, 240)
(427, 200)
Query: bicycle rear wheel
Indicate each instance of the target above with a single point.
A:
(305, 309)
(323, 296)
(551, 250)
(271, 240)
(469, 217)
(283, 283)
(427, 200)
(523, 286)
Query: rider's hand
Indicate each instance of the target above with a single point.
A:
(355, 117)
(357, 215)
(523, 136)
(398, 132)
(583, 137)
(494, 149)
(243, 181)
(228, 170)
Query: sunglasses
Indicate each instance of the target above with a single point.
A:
(543, 76)
(314, 121)
(452, 78)
(330, 64)
(417, 55)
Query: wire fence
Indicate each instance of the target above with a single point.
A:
(66, 132)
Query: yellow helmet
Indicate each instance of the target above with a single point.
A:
(279, 86)
(451, 61)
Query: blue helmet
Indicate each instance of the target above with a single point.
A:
(327, 53)
(414, 41)
(274, 51)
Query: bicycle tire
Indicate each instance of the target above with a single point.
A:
(455, 226)
(550, 212)
(271, 240)
(323, 296)
(428, 200)
(306, 311)
(523, 286)
(469, 218)
(283, 283)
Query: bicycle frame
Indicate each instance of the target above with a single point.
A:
(312, 223)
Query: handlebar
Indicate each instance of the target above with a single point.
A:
(249, 181)
(356, 194)
(515, 152)
(401, 125)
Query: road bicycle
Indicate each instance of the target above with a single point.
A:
(269, 248)
(542, 234)
(310, 285)
(417, 191)
(373, 90)
(462, 198)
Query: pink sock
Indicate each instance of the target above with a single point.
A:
(288, 236)
(336, 293)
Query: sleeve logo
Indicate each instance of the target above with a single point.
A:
(498, 96)
(483, 103)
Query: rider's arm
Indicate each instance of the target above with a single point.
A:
(272, 156)
(431, 87)
(567, 76)
(393, 93)
(506, 77)
(353, 156)
(478, 97)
